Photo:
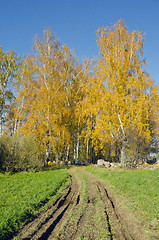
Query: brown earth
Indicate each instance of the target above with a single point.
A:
(85, 210)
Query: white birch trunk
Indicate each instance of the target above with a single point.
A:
(46, 157)
(123, 158)
(77, 146)
(74, 151)
(67, 153)
(56, 157)
(87, 149)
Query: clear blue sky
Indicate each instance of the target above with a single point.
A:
(75, 23)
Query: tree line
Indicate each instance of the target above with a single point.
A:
(54, 109)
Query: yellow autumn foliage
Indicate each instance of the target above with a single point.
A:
(96, 103)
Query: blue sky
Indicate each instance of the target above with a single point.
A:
(75, 23)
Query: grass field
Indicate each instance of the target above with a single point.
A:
(23, 195)
(139, 188)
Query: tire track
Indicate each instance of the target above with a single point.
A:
(109, 207)
(42, 226)
(85, 210)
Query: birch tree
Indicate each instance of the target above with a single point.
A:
(8, 77)
(119, 95)
(44, 97)
(127, 87)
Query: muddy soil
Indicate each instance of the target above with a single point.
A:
(85, 210)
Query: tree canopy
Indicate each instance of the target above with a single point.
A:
(99, 107)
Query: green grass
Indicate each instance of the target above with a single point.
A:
(23, 195)
(140, 189)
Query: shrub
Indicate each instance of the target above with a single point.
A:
(19, 153)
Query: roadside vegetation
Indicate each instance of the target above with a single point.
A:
(23, 196)
(137, 190)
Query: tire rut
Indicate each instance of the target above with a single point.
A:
(42, 226)
(85, 210)
(110, 210)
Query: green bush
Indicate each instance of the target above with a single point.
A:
(32, 155)
(19, 153)
(10, 152)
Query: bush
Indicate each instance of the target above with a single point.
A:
(19, 153)
(10, 152)
(32, 155)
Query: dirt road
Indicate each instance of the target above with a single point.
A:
(85, 210)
